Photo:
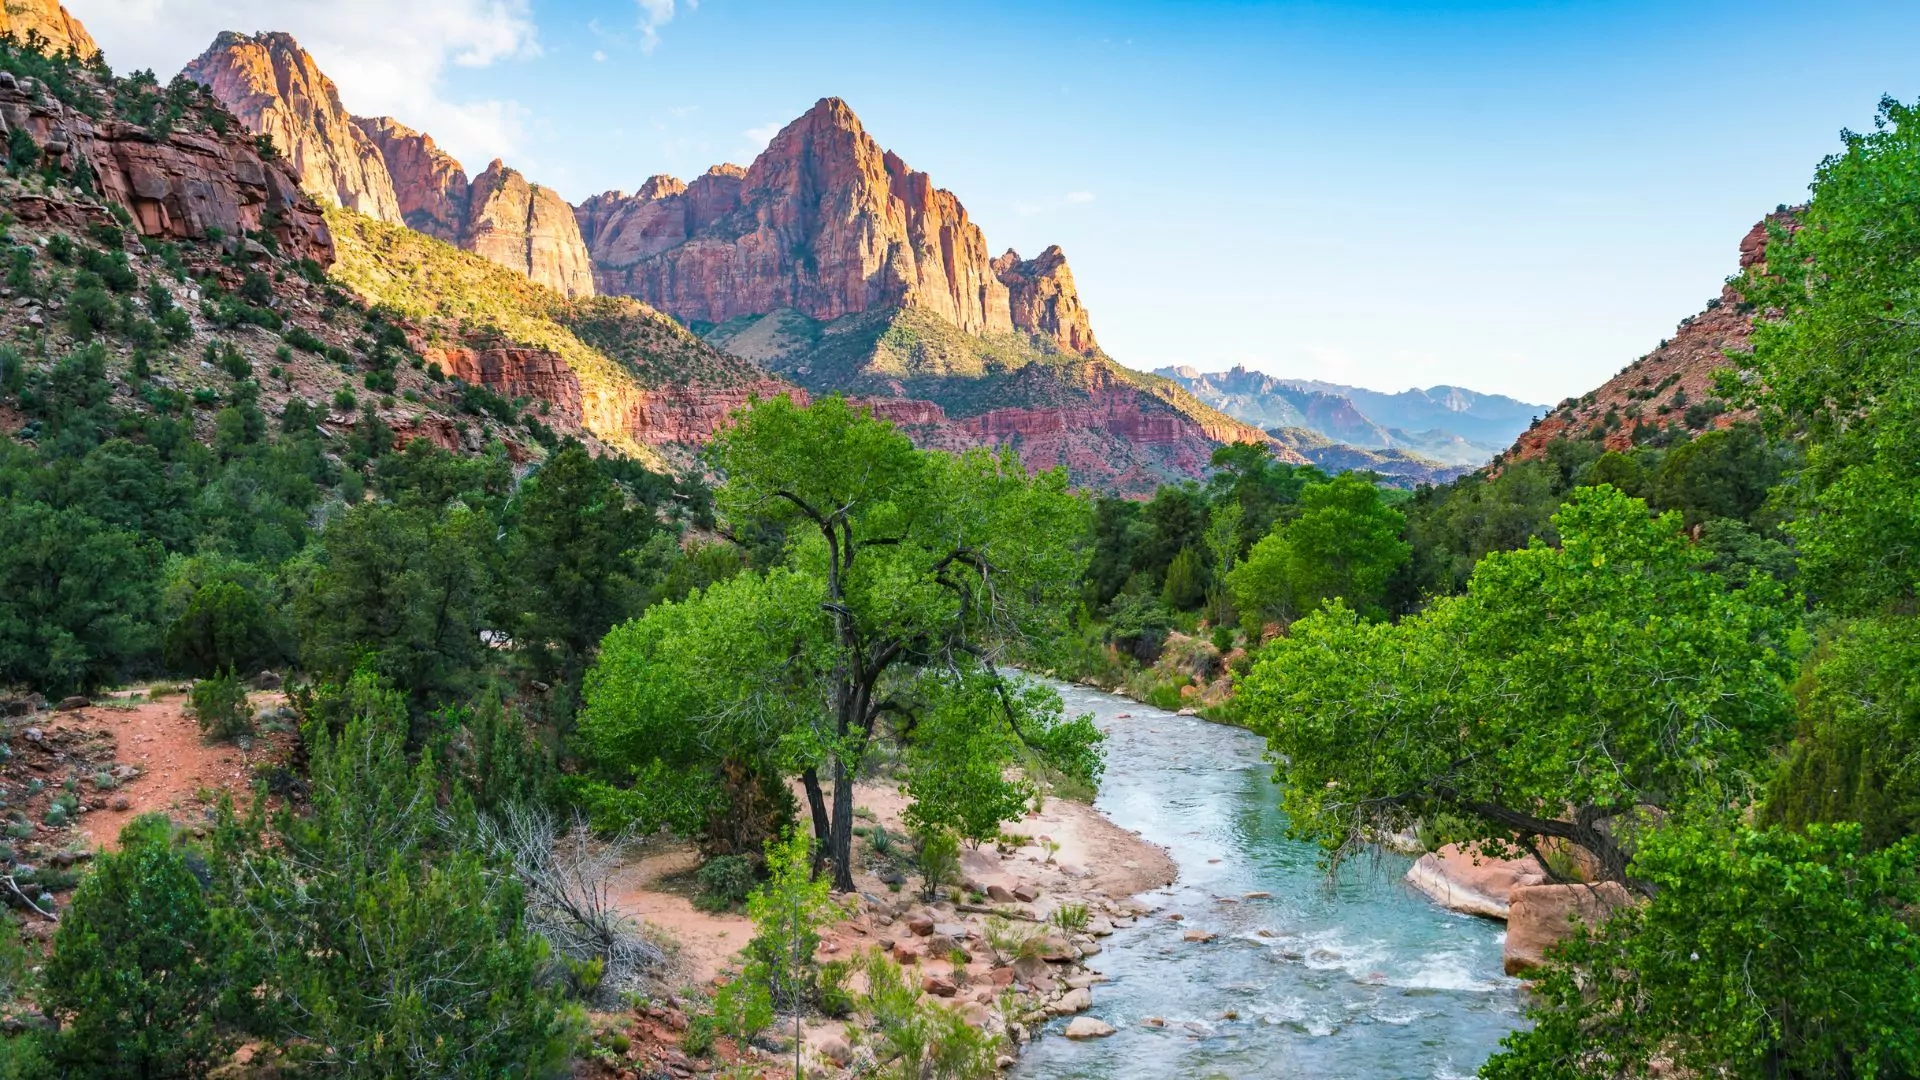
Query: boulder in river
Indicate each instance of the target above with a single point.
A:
(1086, 1027)
(1543, 915)
(1472, 884)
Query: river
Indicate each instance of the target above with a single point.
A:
(1354, 976)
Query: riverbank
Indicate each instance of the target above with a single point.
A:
(985, 947)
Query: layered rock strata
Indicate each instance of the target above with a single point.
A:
(180, 186)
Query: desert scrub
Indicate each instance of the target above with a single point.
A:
(220, 706)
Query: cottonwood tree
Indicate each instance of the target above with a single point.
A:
(1567, 691)
(907, 577)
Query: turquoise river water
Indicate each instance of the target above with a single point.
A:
(1360, 977)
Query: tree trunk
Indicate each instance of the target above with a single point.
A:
(817, 806)
(842, 832)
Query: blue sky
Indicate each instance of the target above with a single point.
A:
(1514, 197)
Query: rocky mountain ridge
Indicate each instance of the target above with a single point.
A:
(270, 83)
(1446, 425)
(827, 223)
(276, 89)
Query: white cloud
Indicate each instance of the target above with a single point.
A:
(760, 136)
(655, 14)
(599, 56)
(1036, 207)
(389, 57)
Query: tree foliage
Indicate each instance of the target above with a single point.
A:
(1765, 953)
(1566, 689)
(1343, 543)
(906, 577)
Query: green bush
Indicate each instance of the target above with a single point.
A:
(725, 882)
(937, 857)
(137, 974)
(220, 705)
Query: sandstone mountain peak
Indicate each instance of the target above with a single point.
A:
(276, 89)
(827, 223)
(660, 186)
(50, 20)
(388, 170)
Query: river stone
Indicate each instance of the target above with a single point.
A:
(1026, 894)
(1077, 1000)
(1201, 936)
(956, 931)
(1086, 1027)
(938, 986)
(1000, 894)
(920, 925)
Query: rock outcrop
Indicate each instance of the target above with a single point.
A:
(684, 415)
(827, 223)
(389, 171)
(1042, 300)
(274, 87)
(49, 19)
(528, 228)
(179, 186)
(430, 185)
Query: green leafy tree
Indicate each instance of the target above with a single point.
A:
(403, 593)
(1223, 551)
(77, 599)
(788, 911)
(1833, 349)
(1857, 756)
(1766, 954)
(1344, 543)
(1185, 585)
(138, 975)
(1568, 689)
(902, 566)
(571, 535)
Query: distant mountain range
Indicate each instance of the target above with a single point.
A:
(1450, 425)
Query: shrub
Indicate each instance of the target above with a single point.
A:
(137, 969)
(1070, 917)
(220, 705)
(937, 856)
(725, 882)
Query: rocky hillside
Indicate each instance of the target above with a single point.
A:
(610, 366)
(388, 171)
(1671, 387)
(49, 19)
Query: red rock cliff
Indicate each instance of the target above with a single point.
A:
(827, 223)
(430, 185)
(276, 89)
(528, 228)
(176, 187)
(1043, 300)
(50, 20)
